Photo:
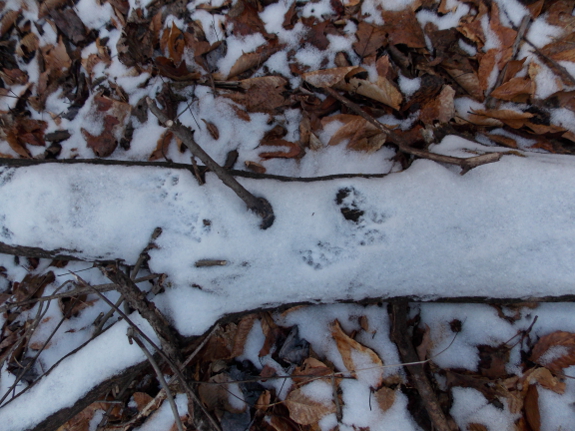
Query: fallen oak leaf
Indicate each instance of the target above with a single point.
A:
(382, 90)
(105, 143)
(167, 68)
(513, 88)
(370, 38)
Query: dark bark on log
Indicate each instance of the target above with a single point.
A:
(56, 420)
(36, 252)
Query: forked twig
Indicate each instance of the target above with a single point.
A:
(258, 205)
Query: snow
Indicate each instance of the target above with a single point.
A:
(505, 229)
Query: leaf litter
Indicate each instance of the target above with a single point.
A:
(82, 78)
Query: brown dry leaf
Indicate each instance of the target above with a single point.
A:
(56, 58)
(212, 129)
(27, 45)
(47, 5)
(476, 427)
(354, 128)
(305, 410)
(264, 94)
(555, 351)
(441, 108)
(271, 332)
(173, 43)
(310, 369)
(69, 24)
(402, 27)
(255, 167)
(244, 15)
(385, 398)
(544, 377)
(168, 69)
(370, 38)
(502, 140)
(141, 399)
(32, 286)
(514, 119)
(162, 147)
(244, 328)
(513, 88)
(81, 422)
(329, 77)
(531, 405)
(506, 35)
(472, 28)
(295, 151)
(8, 20)
(356, 355)
(254, 59)
(105, 143)
(469, 81)
(264, 400)
(383, 91)
(424, 347)
(487, 62)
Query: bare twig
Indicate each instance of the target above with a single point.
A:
(466, 164)
(160, 375)
(78, 291)
(258, 205)
(400, 337)
(141, 259)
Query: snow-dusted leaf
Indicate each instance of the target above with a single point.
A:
(263, 94)
(360, 361)
(555, 351)
(173, 43)
(305, 410)
(294, 150)
(311, 369)
(385, 398)
(402, 27)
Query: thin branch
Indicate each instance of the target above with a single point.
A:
(78, 291)
(466, 164)
(258, 205)
(160, 375)
(400, 337)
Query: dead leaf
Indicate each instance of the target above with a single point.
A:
(440, 109)
(383, 91)
(514, 119)
(245, 18)
(264, 94)
(506, 35)
(69, 24)
(354, 128)
(305, 410)
(294, 150)
(162, 146)
(385, 398)
(531, 403)
(502, 140)
(212, 129)
(513, 88)
(255, 167)
(168, 69)
(141, 399)
(555, 351)
(311, 369)
(402, 27)
(32, 286)
(175, 43)
(370, 38)
(469, 81)
(329, 77)
(356, 356)
(105, 143)
(244, 328)
(28, 45)
(8, 20)
(543, 377)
